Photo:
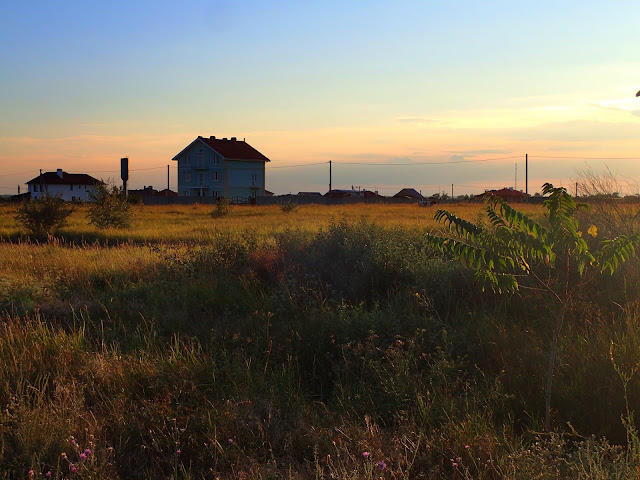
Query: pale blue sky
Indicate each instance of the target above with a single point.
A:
(84, 83)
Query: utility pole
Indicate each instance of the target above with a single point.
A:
(452, 191)
(167, 192)
(329, 178)
(526, 174)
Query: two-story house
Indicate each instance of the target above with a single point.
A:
(68, 186)
(221, 167)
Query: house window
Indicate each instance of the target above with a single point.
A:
(215, 193)
(187, 160)
(187, 176)
(215, 160)
(186, 193)
(215, 176)
(201, 178)
(254, 178)
(70, 187)
(201, 158)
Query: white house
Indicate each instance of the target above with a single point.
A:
(68, 186)
(221, 167)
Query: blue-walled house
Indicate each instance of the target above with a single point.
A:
(221, 167)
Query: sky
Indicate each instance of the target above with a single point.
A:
(421, 94)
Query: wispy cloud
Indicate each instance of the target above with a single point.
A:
(417, 121)
(631, 105)
(482, 152)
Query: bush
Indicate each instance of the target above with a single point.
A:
(109, 208)
(287, 207)
(222, 209)
(43, 215)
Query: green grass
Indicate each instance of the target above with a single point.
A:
(268, 345)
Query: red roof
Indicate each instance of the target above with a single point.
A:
(505, 193)
(166, 193)
(230, 148)
(52, 178)
(408, 193)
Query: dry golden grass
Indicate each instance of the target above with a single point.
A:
(194, 223)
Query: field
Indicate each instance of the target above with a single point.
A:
(325, 342)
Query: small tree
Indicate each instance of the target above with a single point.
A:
(223, 208)
(41, 216)
(109, 208)
(515, 251)
(289, 206)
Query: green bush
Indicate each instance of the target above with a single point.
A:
(43, 215)
(222, 209)
(109, 208)
(287, 207)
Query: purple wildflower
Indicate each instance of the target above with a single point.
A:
(365, 454)
(31, 473)
(454, 464)
(48, 474)
(72, 468)
(83, 456)
(382, 465)
(87, 451)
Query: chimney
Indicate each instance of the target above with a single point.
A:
(212, 137)
(233, 139)
(59, 172)
(224, 138)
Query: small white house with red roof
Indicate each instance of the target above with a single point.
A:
(221, 167)
(68, 186)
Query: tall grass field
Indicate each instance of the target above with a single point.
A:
(317, 342)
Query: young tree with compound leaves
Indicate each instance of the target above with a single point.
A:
(517, 252)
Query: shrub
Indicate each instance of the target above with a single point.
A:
(287, 207)
(43, 215)
(222, 209)
(109, 208)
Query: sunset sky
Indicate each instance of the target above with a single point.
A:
(420, 94)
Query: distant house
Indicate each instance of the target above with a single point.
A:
(507, 194)
(221, 167)
(68, 186)
(409, 193)
(152, 192)
(370, 194)
(309, 194)
(143, 192)
(342, 193)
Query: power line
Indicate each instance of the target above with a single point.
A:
(14, 174)
(301, 165)
(448, 162)
(585, 158)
